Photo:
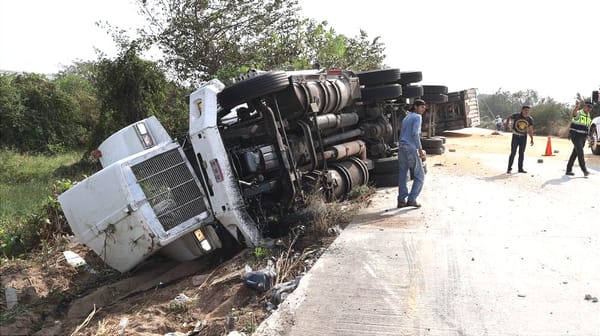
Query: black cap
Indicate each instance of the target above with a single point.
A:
(525, 106)
(587, 103)
(419, 102)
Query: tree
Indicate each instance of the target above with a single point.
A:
(334, 50)
(36, 115)
(203, 39)
(198, 37)
(550, 117)
(131, 89)
(12, 111)
(76, 84)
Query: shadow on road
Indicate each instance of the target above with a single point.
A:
(379, 215)
(495, 178)
(559, 181)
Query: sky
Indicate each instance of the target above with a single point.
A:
(552, 47)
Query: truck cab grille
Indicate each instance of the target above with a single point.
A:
(170, 188)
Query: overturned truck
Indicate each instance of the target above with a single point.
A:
(254, 151)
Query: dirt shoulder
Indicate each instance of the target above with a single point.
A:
(206, 296)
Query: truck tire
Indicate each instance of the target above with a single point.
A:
(433, 142)
(385, 180)
(594, 143)
(454, 97)
(388, 165)
(433, 89)
(412, 91)
(391, 179)
(435, 98)
(384, 92)
(253, 87)
(410, 77)
(378, 77)
(436, 151)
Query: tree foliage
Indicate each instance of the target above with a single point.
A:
(506, 103)
(130, 89)
(203, 39)
(83, 92)
(334, 50)
(550, 117)
(37, 116)
(200, 39)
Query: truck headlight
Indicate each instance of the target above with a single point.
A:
(145, 137)
(203, 241)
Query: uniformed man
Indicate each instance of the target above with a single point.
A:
(580, 124)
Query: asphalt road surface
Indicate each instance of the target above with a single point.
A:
(487, 254)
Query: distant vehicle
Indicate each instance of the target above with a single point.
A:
(254, 152)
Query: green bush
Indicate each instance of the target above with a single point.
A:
(37, 116)
(550, 117)
(261, 253)
(131, 89)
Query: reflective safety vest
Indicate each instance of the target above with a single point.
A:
(581, 122)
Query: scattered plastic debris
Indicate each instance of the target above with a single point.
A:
(74, 259)
(122, 325)
(11, 297)
(236, 333)
(180, 301)
(261, 280)
(282, 290)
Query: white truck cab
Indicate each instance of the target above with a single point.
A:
(145, 198)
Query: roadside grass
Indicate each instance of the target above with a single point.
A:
(26, 179)
(29, 184)
(20, 199)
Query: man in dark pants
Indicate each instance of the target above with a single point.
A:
(580, 124)
(522, 125)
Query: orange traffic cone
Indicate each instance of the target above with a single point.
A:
(548, 148)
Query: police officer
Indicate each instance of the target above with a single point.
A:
(580, 124)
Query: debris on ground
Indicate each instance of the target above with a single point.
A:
(282, 290)
(203, 297)
(11, 297)
(261, 280)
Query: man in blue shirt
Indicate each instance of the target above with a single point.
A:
(410, 153)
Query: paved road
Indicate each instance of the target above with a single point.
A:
(488, 254)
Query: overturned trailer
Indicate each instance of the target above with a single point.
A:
(254, 151)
